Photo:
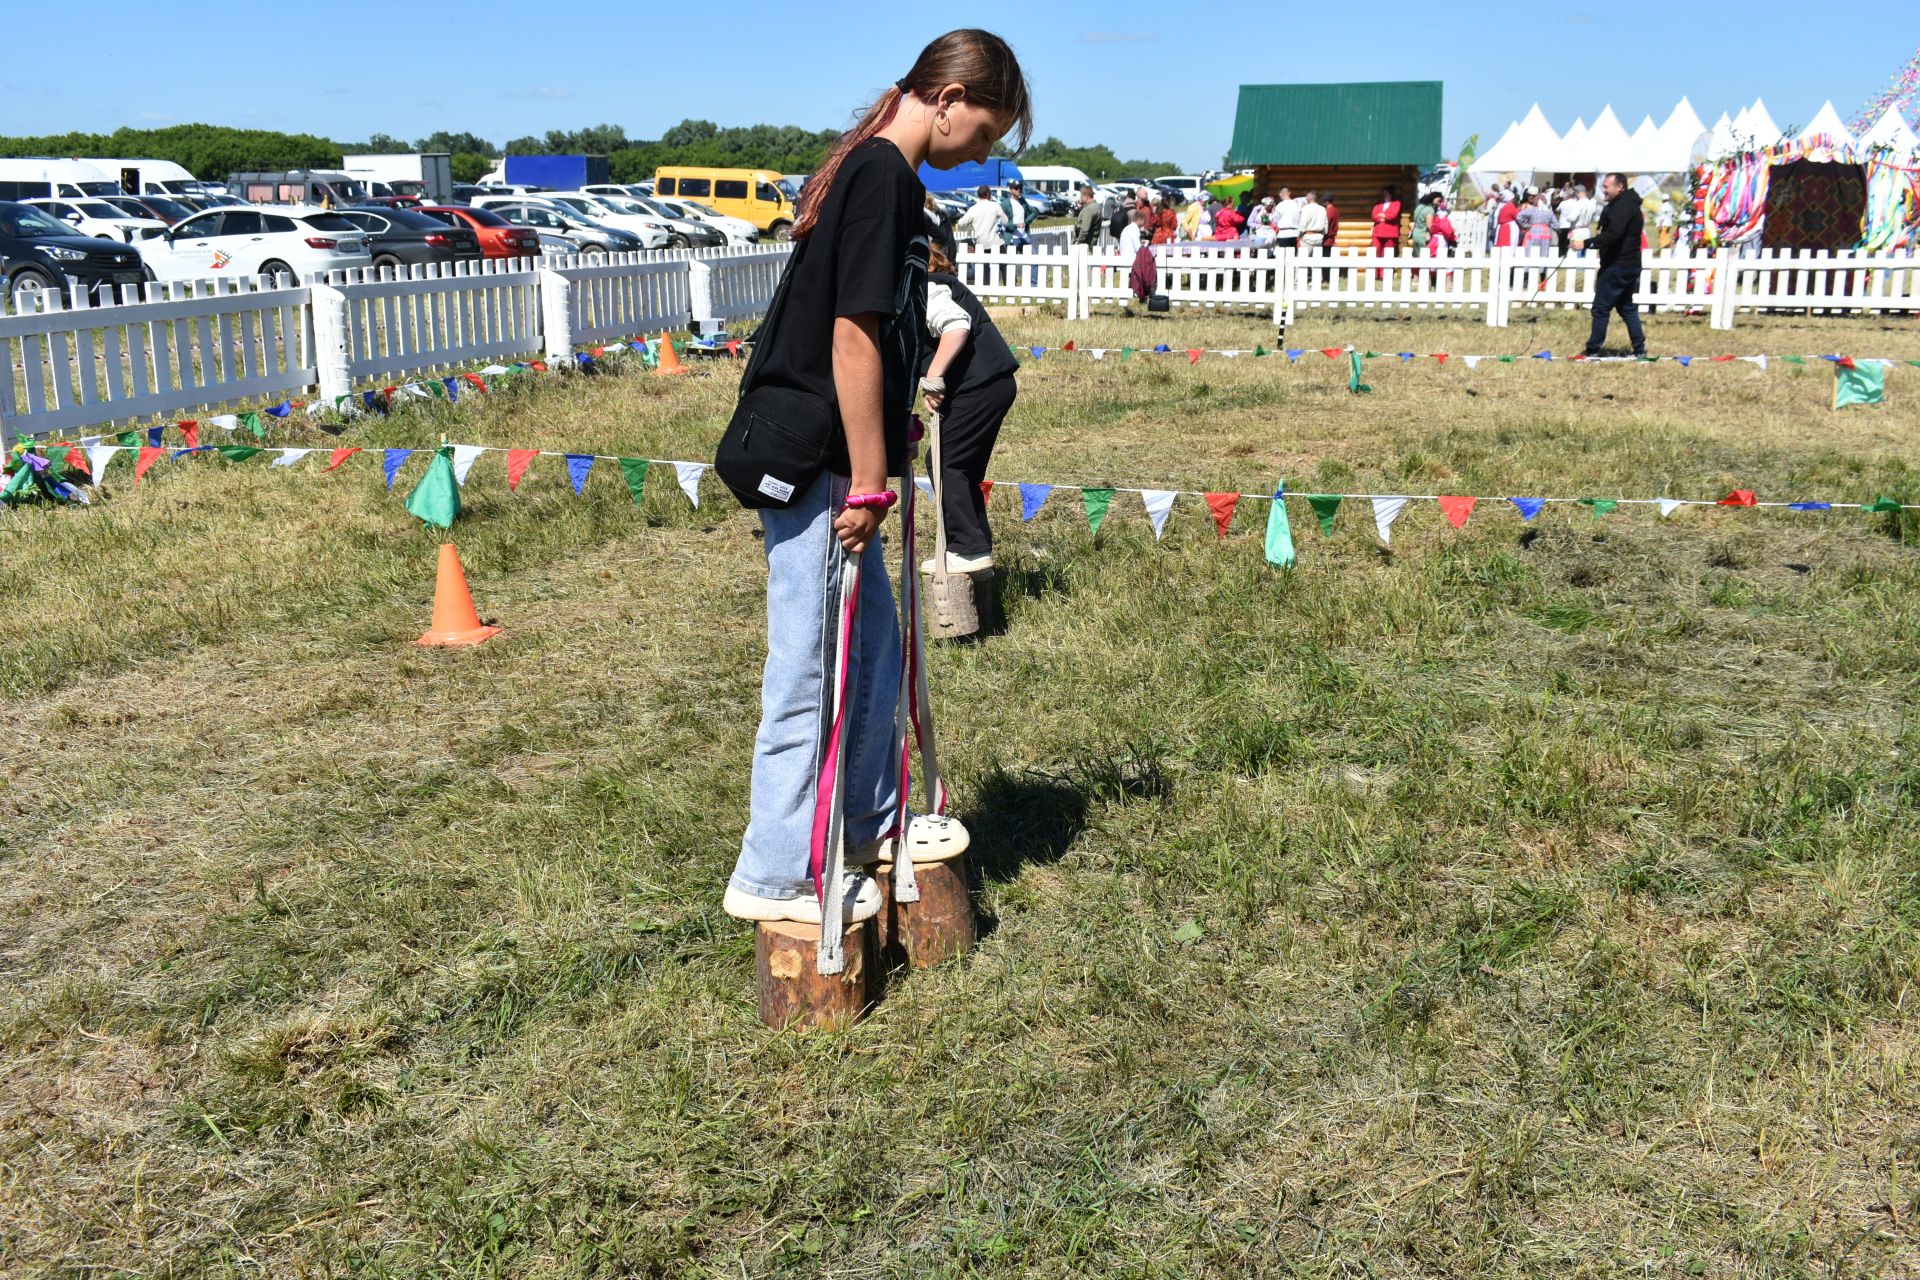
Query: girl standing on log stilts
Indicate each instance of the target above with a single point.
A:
(841, 351)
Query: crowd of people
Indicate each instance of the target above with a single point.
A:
(1560, 220)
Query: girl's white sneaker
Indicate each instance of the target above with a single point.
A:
(931, 837)
(860, 895)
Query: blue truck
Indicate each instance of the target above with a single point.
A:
(968, 176)
(558, 173)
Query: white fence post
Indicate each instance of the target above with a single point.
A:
(331, 359)
(1077, 282)
(1497, 304)
(556, 314)
(1721, 317)
(700, 294)
(1283, 288)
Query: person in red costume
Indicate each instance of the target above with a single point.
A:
(1386, 224)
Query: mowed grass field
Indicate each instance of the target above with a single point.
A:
(1527, 900)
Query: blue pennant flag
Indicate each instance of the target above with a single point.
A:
(1032, 498)
(153, 437)
(583, 357)
(639, 346)
(1811, 506)
(578, 464)
(1294, 354)
(1405, 356)
(1037, 351)
(1834, 359)
(1529, 507)
(1543, 355)
(392, 462)
(280, 410)
(181, 453)
(1685, 362)
(374, 401)
(453, 389)
(1162, 349)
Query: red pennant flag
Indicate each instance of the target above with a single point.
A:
(340, 456)
(599, 351)
(77, 459)
(517, 460)
(1721, 359)
(476, 380)
(1331, 353)
(386, 393)
(1193, 355)
(190, 432)
(1069, 346)
(1441, 356)
(733, 347)
(1845, 362)
(149, 454)
(1457, 509)
(541, 365)
(986, 490)
(1222, 505)
(1580, 356)
(1739, 498)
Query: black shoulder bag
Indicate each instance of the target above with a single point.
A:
(779, 439)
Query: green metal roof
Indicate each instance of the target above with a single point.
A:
(1396, 122)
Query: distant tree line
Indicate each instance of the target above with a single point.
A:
(214, 151)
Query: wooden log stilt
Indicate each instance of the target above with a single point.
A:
(935, 929)
(793, 994)
(968, 607)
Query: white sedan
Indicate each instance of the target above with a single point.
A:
(252, 240)
(98, 218)
(738, 230)
(654, 232)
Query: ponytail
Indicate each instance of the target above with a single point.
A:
(979, 61)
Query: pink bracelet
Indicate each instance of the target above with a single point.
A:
(883, 500)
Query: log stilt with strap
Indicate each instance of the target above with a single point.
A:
(938, 925)
(794, 994)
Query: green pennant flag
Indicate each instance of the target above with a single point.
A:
(1882, 503)
(1601, 506)
(1096, 502)
(635, 470)
(129, 439)
(1259, 350)
(235, 452)
(19, 485)
(251, 421)
(436, 499)
(1914, 363)
(1324, 505)
(1793, 359)
(1126, 353)
(436, 388)
(1504, 359)
(1862, 384)
(1279, 549)
(1353, 378)
(1373, 355)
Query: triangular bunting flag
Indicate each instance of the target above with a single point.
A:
(237, 452)
(1457, 509)
(452, 387)
(1739, 498)
(1685, 362)
(1037, 352)
(1193, 355)
(1032, 498)
(1601, 506)
(149, 454)
(1126, 354)
(341, 455)
(1161, 349)
(1882, 503)
(1223, 505)
(190, 433)
(635, 472)
(1293, 354)
(436, 499)
(517, 460)
(1324, 505)
(1331, 353)
(1441, 356)
(1385, 512)
(1528, 507)
(578, 464)
(225, 421)
(98, 456)
(1669, 505)
(925, 485)
(1811, 506)
(463, 456)
(391, 463)
(986, 490)
(290, 456)
(1279, 550)
(282, 409)
(1069, 345)
(154, 436)
(1472, 362)
(1099, 353)
(1353, 377)
(1096, 501)
(1158, 503)
(688, 474)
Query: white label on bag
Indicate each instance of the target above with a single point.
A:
(778, 490)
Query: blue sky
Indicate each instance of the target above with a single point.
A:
(1148, 79)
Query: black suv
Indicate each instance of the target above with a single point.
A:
(38, 251)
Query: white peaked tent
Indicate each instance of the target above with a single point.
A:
(1509, 142)
(1721, 143)
(1827, 123)
(1760, 129)
(1741, 127)
(1529, 147)
(1891, 132)
(1572, 143)
(1681, 134)
(1605, 146)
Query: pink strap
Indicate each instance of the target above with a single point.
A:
(828, 792)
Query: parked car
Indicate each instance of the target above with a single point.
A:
(464, 192)
(101, 218)
(656, 233)
(554, 220)
(404, 237)
(682, 232)
(736, 230)
(38, 251)
(252, 241)
(753, 194)
(498, 237)
(165, 208)
(320, 188)
(390, 202)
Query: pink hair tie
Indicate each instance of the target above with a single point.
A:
(882, 500)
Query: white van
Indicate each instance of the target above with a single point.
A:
(1053, 179)
(153, 177)
(63, 179)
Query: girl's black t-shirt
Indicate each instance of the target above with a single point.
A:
(867, 252)
(986, 355)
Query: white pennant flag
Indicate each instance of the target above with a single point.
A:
(97, 459)
(1670, 505)
(1228, 354)
(315, 409)
(493, 370)
(225, 421)
(290, 456)
(924, 484)
(1473, 362)
(1385, 512)
(463, 456)
(418, 390)
(1099, 353)
(689, 473)
(1758, 361)
(1158, 503)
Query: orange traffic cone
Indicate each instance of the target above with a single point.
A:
(669, 358)
(454, 620)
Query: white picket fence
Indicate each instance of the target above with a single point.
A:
(201, 346)
(1246, 276)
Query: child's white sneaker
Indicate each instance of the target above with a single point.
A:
(860, 896)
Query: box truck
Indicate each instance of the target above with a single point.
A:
(558, 173)
(428, 175)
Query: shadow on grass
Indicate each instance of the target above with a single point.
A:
(1033, 816)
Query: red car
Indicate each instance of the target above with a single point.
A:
(498, 237)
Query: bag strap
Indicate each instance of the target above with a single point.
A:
(763, 338)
